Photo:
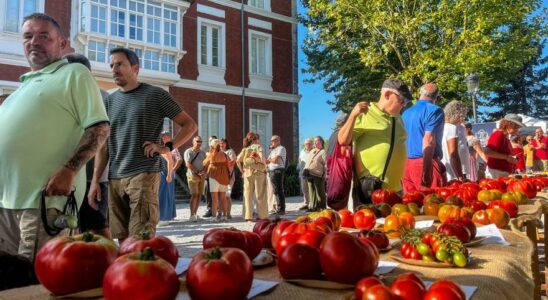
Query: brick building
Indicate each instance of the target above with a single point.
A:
(232, 66)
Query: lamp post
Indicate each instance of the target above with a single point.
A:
(472, 83)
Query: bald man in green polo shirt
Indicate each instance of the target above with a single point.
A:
(49, 128)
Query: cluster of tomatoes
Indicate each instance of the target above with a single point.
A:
(67, 265)
(407, 286)
(433, 247)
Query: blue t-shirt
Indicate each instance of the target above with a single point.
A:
(422, 117)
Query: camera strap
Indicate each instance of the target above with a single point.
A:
(391, 148)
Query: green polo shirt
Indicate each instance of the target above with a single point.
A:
(41, 124)
(371, 139)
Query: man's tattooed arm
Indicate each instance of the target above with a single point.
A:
(94, 137)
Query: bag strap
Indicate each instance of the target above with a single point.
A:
(195, 156)
(391, 148)
(70, 206)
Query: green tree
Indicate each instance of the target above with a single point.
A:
(353, 45)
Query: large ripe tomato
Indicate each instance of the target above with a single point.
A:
(523, 186)
(347, 218)
(445, 192)
(413, 197)
(441, 293)
(491, 184)
(323, 224)
(67, 265)
(247, 241)
(132, 275)
(399, 208)
(364, 219)
(162, 246)
(481, 217)
(454, 200)
(412, 276)
(467, 195)
(448, 284)
(467, 222)
(279, 231)
(407, 220)
(264, 228)
(509, 206)
(286, 240)
(448, 211)
(344, 258)
(364, 284)
(312, 238)
(459, 231)
(432, 198)
(431, 209)
(385, 196)
(477, 205)
(219, 273)
(498, 216)
(377, 237)
(299, 261)
(407, 289)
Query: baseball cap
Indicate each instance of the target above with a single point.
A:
(398, 85)
(515, 119)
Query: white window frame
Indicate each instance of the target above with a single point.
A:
(222, 119)
(265, 138)
(254, 3)
(4, 11)
(208, 73)
(260, 81)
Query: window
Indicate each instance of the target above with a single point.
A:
(261, 4)
(117, 23)
(170, 26)
(16, 10)
(135, 27)
(152, 60)
(99, 16)
(168, 126)
(210, 45)
(260, 49)
(96, 51)
(211, 120)
(260, 122)
(168, 63)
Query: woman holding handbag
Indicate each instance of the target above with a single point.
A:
(216, 163)
(314, 170)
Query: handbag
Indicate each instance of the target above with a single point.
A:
(339, 178)
(369, 183)
(65, 219)
(306, 172)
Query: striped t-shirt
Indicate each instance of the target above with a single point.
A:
(135, 117)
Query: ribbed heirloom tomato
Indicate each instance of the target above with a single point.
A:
(140, 275)
(299, 261)
(264, 228)
(162, 246)
(219, 273)
(68, 265)
(347, 218)
(364, 219)
(247, 241)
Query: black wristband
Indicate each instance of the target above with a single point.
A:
(169, 145)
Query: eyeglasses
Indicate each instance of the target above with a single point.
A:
(198, 142)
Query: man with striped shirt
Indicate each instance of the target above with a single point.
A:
(136, 112)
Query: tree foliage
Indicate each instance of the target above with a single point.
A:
(353, 45)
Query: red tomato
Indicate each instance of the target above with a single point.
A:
(481, 217)
(132, 275)
(264, 228)
(385, 196)
(509, 206)
(413, 197)
(312, 238)
(323, 224)
(407, 289)
(414, 254)
(219, 273)
(477, 205)
(162, 246)
(442, 294)
(346, 259)
(364, 284)
(299, 261)
(247, 241)
(498, 216)
(330, 214)
(454, 183)
(279, 231)
(286, 240)
(347, 218)
(465, 222)
(378, 292)
(523, 186)
(448, 284)
(411, 276)
(372, 245)
(67, 265)
(364, 219)
(459, 231)
(377, 237)
(445, 192)
(468, 196)
(432, 198)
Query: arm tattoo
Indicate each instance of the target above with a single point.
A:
(94, 137)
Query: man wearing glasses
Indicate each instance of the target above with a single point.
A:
(424, 123)
(276, 168)
(369, 127)
(195, 174)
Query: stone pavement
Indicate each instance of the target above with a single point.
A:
(188, 236)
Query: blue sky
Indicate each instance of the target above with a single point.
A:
(315, 115)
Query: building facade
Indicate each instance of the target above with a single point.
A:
(231, 65)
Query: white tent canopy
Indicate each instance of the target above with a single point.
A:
(532, 122)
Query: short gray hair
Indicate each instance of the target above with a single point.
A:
(455, 110)
(429, 90)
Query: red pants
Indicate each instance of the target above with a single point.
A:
(412, 176)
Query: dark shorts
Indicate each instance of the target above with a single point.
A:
(91, 219)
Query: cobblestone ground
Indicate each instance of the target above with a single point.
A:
(188, 236)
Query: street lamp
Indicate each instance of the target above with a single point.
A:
(472, 82)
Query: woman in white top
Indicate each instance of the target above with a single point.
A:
(475, 151)
(454, 143)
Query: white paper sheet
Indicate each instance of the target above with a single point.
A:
(182, 265)
(385, 267)
(260, 286)
(493, 234)
(424, 224)
(469, 290)
(380, 221)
